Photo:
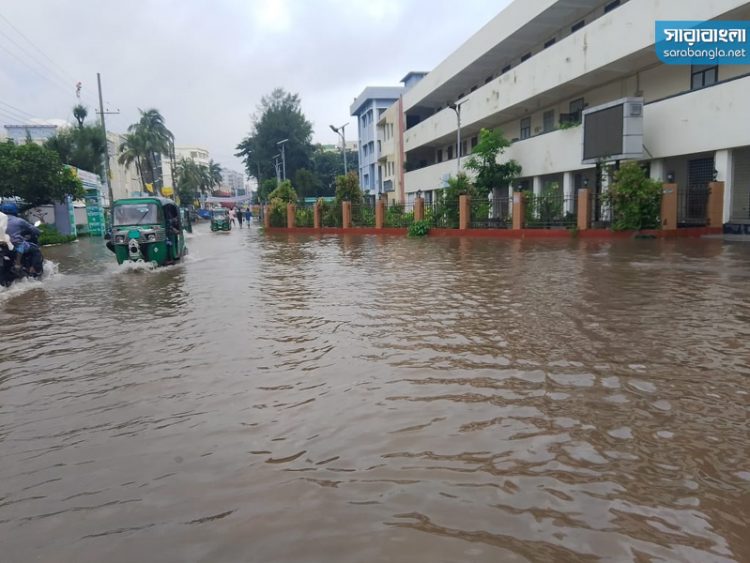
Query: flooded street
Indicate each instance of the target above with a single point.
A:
(290, 398)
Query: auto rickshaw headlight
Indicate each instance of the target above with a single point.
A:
(151, 237)
(120, 239)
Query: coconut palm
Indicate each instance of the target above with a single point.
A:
(214, 174)
(146, 142)
(132, 151)
(80, 113)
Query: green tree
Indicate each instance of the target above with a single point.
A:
(83, 147)
(80, 113)
(279, 117)
(285, 192)
(266, 187)
(307, 183)
(192, 179)
(347, 189)
(327, 165)
(214, 175)
(635, 199)
(36, 175)
(483, 160)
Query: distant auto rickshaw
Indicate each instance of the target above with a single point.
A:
(147, 229)
(220, 220)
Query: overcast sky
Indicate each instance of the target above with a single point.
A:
(206, 64)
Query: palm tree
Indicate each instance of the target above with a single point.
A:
(149, 138)
(132, 151)
(214, 174)
(80, 113)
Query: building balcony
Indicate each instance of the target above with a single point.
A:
(611, 47)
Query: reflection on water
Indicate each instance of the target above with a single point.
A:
(289, 398)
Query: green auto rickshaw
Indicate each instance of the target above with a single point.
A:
(147, 229)
(220, 219)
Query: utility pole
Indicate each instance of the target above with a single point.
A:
(341, 131)
(106, 143)
(283, 156)
(457, 108)
(277, 167)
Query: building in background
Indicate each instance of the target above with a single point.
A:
(125, 180)
(368, 107)
(533, 69)
(197, 154)
(38, 133)
(232, 182)
(350, 146)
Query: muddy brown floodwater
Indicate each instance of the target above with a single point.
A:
(360, 399)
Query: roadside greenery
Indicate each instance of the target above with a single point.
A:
(82, 146)
(145, 143)
(278, 200)
(634, 198)
(50, 235)
(419, 228)
(36, 175)
(483, 160)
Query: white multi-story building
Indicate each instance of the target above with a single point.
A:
(233, 181)
(538, 64)
(125, 180)
(199, 155)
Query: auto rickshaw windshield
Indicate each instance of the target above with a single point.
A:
(137, 214)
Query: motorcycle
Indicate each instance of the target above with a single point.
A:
(31, 263)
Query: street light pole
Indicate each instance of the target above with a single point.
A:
(276, 166)
(457, 108)
(341, 131)
(283, 155)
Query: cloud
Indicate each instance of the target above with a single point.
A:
(206, 64)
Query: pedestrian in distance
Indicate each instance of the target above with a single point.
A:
(232, 216)
(248, 216)
(239, 216)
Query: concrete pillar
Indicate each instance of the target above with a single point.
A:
(584, 209)
(568, 195)
(419, 209)
(669, 207)
(346, 214)
(724, 165)
(464, 212)
(537, 185)
(316, 215)
(518, 210)
(657, 170)
(379, 213)
(291, 215)
(716, 204)
(267, 216)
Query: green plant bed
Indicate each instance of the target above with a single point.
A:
(50, 235)
(419, 228)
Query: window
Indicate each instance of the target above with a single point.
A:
(440, 155)
(525, 128)
(474, 141)
(611, 6)
(703, 75)
(577, 26)
(526, 57)
(463, 147)
(450, 152)
(576, 107)
(549, 43)
(548, 120)
(505, 69)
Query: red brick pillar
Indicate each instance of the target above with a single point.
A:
(716, 204)
(346, 214)
(669, 207)
(464, 212)
(266, 216)
(316, 215)
(379, 213)
(519, 209)
(584, 209)
(291, 215)
(419, 209)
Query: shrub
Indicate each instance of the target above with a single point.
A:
(50, 235)
(635, 199)
(419, 228)
(277, 212)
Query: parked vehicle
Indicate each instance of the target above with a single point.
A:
(147, 229)
(220, 220)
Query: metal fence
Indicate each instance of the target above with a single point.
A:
(398, 215)
(548, 211)
(600, 212)
(442, 213)
(492, 213)
(304, 216)
(692, 206)
(330, 215)
(363, 214)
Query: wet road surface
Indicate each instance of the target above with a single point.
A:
(292, 398)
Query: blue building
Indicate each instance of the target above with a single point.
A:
(367, 108)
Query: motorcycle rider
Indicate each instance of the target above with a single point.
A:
(23, 236)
